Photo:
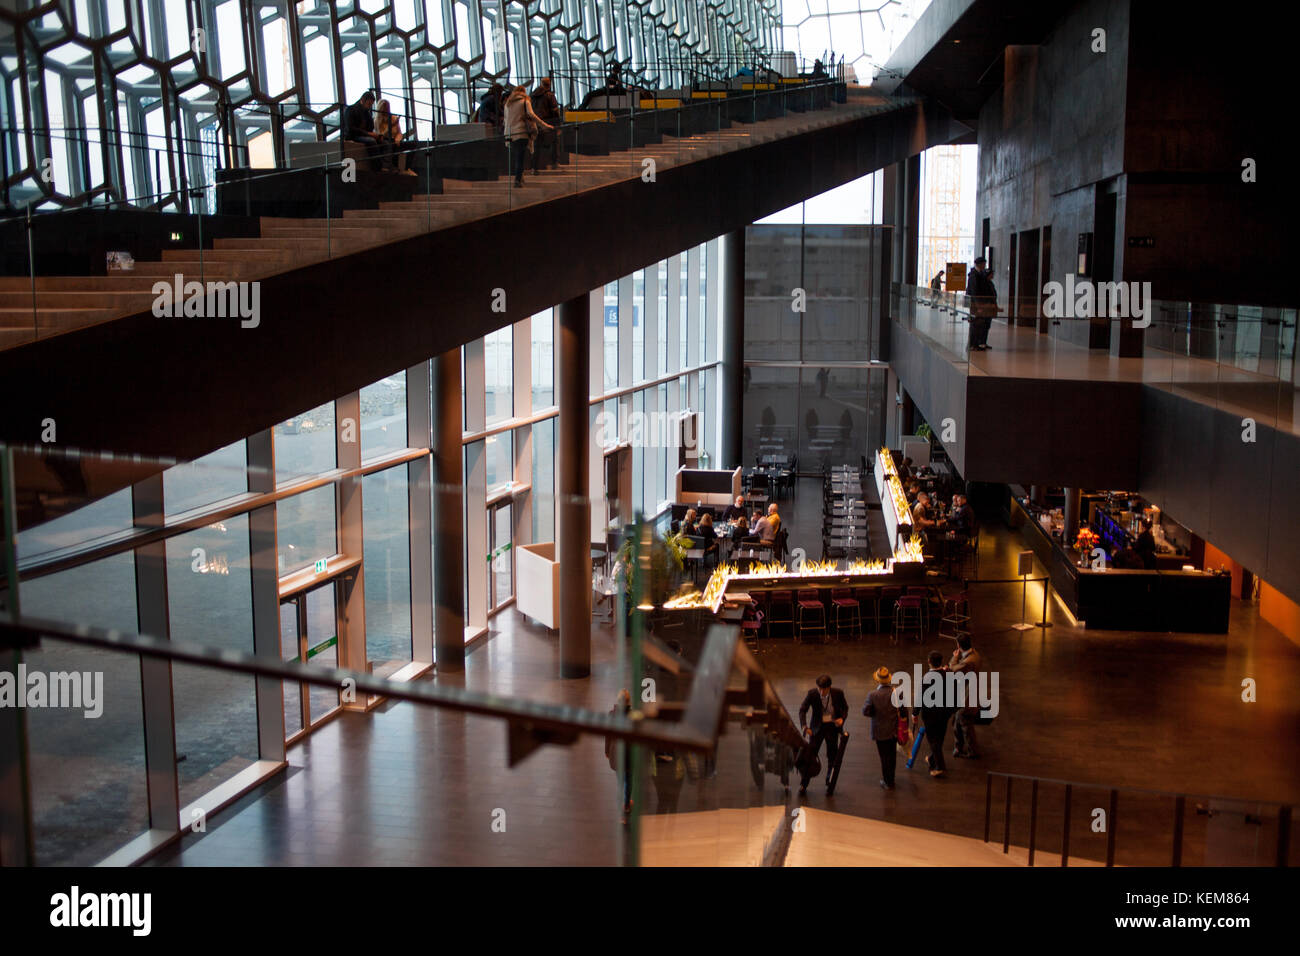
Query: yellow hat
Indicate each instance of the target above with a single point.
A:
(883, 676)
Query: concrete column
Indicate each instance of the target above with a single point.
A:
(572, 484)
(731, 355)
(448, 519)
(1072, 502)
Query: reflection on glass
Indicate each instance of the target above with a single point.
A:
(86, 525)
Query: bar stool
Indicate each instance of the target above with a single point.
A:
(812, 614)
(956, 616)
(922, 595)
(783, 600)
(869, 598)
(846, 609)
(885, 608)
(907, 618)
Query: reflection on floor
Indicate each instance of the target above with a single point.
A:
(411, 785)
(728, 837)
(823, 838)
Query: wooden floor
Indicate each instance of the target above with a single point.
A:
(412, 785)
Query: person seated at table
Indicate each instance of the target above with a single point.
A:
(768, 526)
(962, 520)
(922, 520)
(905, 469)
(736, 510)
(911, 490)
(705, 531)
(739, 528)
(689, 522)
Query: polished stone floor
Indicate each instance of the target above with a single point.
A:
(412, 785)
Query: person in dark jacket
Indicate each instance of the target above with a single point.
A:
(935, 719)
(884, 724)
(547, 107)
(359, 127)
(491, 108)
(984, 304)
(829, 708)
(1146, 546)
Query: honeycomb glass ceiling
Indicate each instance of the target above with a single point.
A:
(123, 99)
(863, 32)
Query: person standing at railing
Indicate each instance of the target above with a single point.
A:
(490, 107)
(984, 305)
(522, 126)
(546, 106)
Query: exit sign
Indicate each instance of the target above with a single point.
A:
(320, 566)
(1141, 242)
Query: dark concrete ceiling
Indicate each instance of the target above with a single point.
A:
(954, 54)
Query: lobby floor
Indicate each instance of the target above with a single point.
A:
(413, 785)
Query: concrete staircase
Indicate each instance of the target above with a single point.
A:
(52, 305)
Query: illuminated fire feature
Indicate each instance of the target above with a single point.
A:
(886, 463)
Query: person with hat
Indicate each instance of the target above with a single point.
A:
(984, 305)
(884, 724)
(829, 709)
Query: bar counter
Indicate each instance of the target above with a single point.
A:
(1117, 599)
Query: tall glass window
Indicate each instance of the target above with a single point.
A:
(85, 526)
(304, 444)
(87, 776)
(305, 529)
(210, 601)
(611, 336)
(214, 477)
(662, 286)
(638, 326)
(498, 374)
(543, 494)
(543, 359)
(385, 515)
(383, 416)
(500, 451)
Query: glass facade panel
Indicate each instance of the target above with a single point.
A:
(387, 570)
(210, 602)
(383, 416)
(84, 527)
(498, 374)
(611, 337)
(500, 459)
(305, 529)
(543, 359)
(543, 494)
(214, 477)
(305, 444)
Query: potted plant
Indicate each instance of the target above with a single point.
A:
(666, 560)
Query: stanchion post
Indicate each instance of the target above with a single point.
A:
(1047, 593)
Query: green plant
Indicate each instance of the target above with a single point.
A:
(666, 560)
(924, 431)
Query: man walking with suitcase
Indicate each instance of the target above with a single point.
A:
(829, 708)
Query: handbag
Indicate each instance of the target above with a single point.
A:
(904, 735)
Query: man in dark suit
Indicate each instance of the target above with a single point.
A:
(829, 708)
(935, 719)
(884, 724)
(984, 304)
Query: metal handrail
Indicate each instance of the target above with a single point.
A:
(1180, 806)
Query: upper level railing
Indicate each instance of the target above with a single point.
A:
(1238, 354)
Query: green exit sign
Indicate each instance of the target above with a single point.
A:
(320, 566)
